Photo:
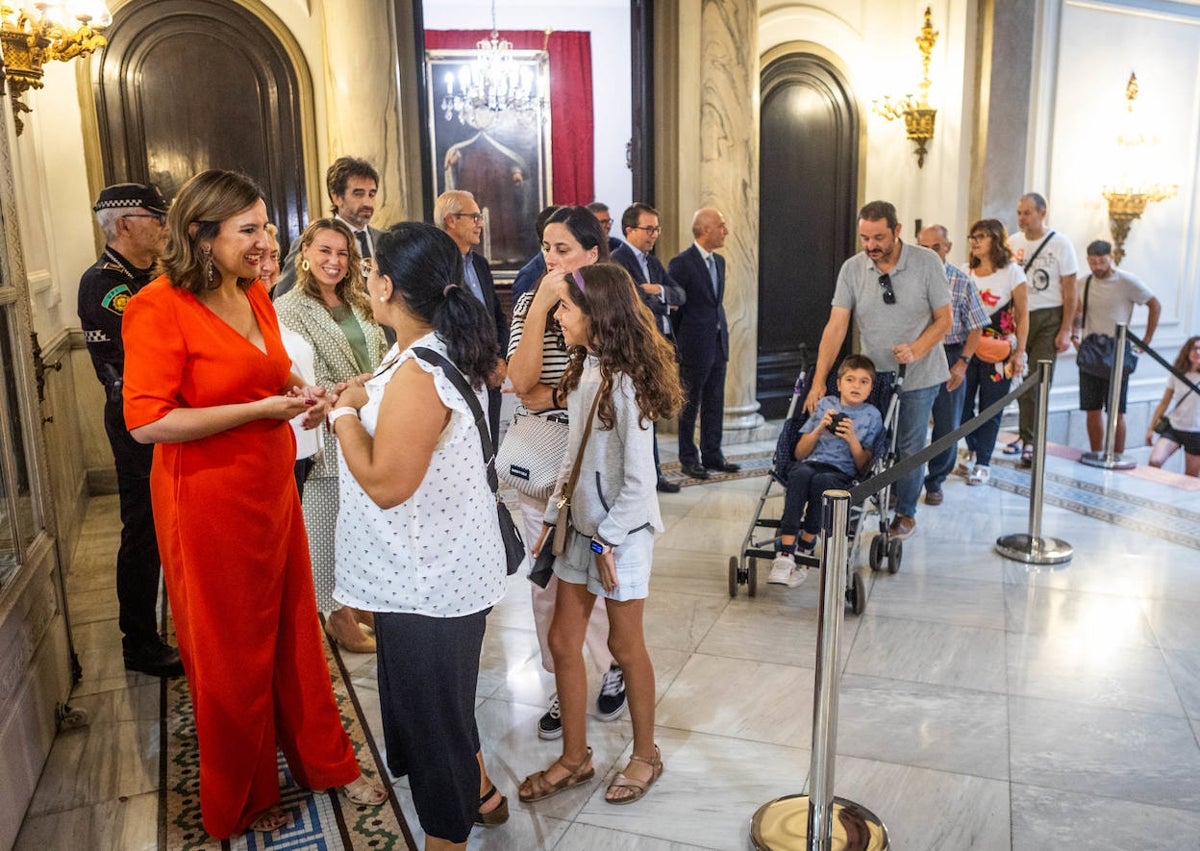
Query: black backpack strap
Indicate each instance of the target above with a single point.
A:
(460, 382)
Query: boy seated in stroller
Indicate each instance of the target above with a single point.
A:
(831, 453)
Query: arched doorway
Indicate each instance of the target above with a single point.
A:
(163, 119)
(809, 136)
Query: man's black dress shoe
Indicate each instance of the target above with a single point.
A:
(666, 486)
(723, 466)
(696, 471)
(156, 658)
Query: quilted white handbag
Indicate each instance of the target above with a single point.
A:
(532, 452)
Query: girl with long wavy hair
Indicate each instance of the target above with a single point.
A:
(1183, 422)
(623, 368)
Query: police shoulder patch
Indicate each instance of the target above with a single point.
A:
(116, 299)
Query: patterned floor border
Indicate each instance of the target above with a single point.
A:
(323, 822)
(1161, 520)
(752, 464)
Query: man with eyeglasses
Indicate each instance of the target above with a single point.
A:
(132, 216)
(661, 294)
(968, 321)
(352, 184)
(457, 213)
(604, 217)
(900, 299)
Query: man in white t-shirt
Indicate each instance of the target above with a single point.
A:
(1048, 259)
(1108, 296)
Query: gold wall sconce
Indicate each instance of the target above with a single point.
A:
(916, 111)
(34, 33)
(1128, 196)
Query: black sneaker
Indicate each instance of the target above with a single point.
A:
(550, 724)
(610, 703)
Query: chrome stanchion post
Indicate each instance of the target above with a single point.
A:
(819, 821)
(1108, 459)
(1031, 547)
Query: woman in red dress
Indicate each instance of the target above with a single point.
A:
(207, 380)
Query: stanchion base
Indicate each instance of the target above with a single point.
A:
(1030, 550)
(782, 825)
(1107, 462)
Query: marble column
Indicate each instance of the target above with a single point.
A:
(729, 84)
(362, 102)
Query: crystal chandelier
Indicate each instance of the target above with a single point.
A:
(493, 83)
(34, 33)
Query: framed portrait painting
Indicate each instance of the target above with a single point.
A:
(490, 135)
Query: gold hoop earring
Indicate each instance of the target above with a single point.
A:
(305, 265)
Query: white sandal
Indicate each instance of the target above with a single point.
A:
(979, 476)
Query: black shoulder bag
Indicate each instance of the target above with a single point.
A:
(514, 547)
(1097, 351)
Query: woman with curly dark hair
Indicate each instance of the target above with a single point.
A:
(621, 378)
(1001, 351)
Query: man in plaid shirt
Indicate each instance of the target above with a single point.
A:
(969, 319)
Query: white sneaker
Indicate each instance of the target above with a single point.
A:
(798, 575)
(781, 570)
(979, 476)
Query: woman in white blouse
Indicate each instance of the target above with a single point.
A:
(1001, 351)
(417, 531)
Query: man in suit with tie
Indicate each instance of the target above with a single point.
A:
(352, 184)
(456, 212)
(702, 336)
(661, 294)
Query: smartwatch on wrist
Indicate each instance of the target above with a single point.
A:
(599, 548)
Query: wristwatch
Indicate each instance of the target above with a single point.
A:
(965, 359)
(599, 548)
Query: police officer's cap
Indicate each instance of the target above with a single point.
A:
(131, 195)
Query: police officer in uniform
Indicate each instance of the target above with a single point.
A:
(133, 218)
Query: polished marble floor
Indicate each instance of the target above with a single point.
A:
(984, 704)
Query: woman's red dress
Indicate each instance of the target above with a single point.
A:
(235, 557)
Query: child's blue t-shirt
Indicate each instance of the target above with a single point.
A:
(834, 450)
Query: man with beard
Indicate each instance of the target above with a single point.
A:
(900, 299)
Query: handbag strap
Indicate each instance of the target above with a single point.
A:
(459, 380)
(565, 497)
(1087, 285)
(1025, 266)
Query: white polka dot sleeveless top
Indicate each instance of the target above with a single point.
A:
(439, 553)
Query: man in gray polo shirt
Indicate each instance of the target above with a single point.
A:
(900, 299)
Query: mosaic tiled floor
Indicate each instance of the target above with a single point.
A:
(752, 463)
(320, 822)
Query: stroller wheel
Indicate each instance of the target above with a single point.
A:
(752, 577)
(895, 553)
(857, 593)
(733, 576)
(876, 554)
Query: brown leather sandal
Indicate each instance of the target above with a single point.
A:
(637, 788)
(537, 788)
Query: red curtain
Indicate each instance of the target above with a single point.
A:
(572, 150)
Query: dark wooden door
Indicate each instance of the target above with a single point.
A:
(187, 85)
(808, 182)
